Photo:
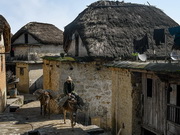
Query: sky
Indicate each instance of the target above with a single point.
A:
(62, 12)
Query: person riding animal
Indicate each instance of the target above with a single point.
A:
(69, 91)
(68, 86)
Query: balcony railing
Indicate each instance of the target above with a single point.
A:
(173, 113)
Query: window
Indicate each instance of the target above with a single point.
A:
(173, 106)
(149, 87)
(21, 71)
(26, 38)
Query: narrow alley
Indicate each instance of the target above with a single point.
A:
(27, 120)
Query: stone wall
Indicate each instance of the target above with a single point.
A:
(2, 80)
(92, 84)
(122, 101)
(125, 101)
(51, 75)
(22, 72)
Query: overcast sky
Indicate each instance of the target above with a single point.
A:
(61, 12)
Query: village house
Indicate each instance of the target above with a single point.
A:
(5, 40)
(29, 45)
(104, 32)
(148, 98)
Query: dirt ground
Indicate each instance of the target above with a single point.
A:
(27, 120)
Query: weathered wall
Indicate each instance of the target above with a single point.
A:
(20, 51)
(36, 52)
(93, 85)
(46, 50)
(122, 101)
(2, 80)
(35, 77)
(2, 75)
(51, 75)
(126, 103)
(23, 75)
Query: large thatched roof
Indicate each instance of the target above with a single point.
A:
(42, 32)
(6, 30)
(107, 28)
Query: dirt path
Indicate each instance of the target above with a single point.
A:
(28, 119)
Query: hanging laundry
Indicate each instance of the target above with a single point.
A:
(140, 46)
(175, 31)
(159, 36)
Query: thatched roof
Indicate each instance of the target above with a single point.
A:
(108, 28)
(44, 33)
(6, 30)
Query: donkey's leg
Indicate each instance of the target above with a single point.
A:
(64, 111)
(45, 106)
(49, 110)
(72, 120)
(41, 110)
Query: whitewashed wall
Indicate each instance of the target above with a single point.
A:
(82, 49)
(21, 40)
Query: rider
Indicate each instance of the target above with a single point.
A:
(68, 86)
(69, 90)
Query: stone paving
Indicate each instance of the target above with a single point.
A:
(27, 120)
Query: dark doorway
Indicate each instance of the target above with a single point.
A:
(147, 132)
(177, 120)
(178, 95)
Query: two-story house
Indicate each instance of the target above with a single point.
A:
(29, 44)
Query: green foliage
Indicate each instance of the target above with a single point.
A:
(58, 58)
(134, 54)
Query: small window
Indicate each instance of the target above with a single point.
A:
(21, 71)
(26, 38)
(149, 87)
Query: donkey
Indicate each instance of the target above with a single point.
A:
(45, 103)
(70, 104)
(44, 97)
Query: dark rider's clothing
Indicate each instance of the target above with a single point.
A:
(68, 87)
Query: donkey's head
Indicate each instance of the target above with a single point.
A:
(45, 98)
